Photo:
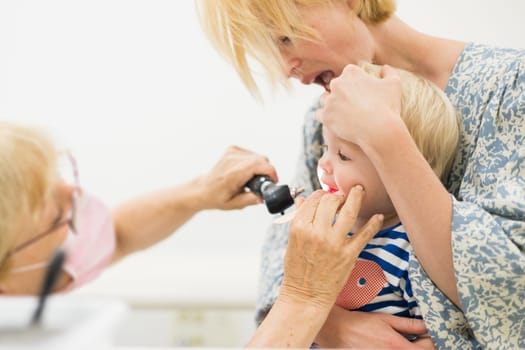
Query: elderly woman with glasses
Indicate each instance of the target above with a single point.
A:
(468, 231)
(43, 208)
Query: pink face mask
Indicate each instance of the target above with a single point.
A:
(90, 250)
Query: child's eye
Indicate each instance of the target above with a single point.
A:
(342, 156)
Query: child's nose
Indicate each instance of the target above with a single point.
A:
(325, 165)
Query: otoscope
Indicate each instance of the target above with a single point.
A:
(277, 198)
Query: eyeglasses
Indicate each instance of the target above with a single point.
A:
(68, 172)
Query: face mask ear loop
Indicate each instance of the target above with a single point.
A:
(30, 267)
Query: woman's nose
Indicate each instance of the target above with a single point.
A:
(292, 66)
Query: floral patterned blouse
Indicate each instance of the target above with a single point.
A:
(487, 183)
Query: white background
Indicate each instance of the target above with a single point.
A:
(142, 99)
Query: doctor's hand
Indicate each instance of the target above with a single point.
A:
(318, 262)
(223, 186)
(320, 254)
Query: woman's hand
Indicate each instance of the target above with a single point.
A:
(355, 329)
(318, 261)
(145, 220)
(359, 105)
(223, 186)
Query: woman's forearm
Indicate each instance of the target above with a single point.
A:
(289, 325)
(148, 219)
(422, 203)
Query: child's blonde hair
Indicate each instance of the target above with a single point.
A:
(27, 177)
(240, 29)
(430, 118)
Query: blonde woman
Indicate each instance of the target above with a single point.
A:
(469, 244)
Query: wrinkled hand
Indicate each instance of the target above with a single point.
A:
(223, 186)
(320, 255)
(359, 104)
(355, 329)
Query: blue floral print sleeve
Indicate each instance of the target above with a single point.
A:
(487, 183)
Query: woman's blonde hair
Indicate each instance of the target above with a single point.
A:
(243, 29)
(430, 118)
(27, 177)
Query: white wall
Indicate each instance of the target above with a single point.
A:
(135, 90)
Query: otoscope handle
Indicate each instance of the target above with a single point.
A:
(258, 184)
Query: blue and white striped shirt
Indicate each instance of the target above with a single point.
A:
(379, 281)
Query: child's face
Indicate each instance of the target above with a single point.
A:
(345, 165)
